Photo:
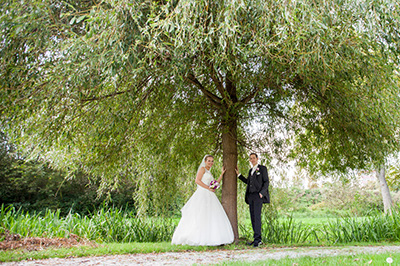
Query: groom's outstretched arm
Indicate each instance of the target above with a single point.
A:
(244, 179)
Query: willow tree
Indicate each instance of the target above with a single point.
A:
(121, 87)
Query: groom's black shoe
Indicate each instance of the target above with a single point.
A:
(257, 244)
(250, 243)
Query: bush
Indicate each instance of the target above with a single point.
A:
(352, 198)
(34, 186)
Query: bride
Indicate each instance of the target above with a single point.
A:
(204, 221)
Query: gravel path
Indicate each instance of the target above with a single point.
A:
(211, 257)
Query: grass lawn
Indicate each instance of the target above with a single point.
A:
(131, 248)
(360, 259)
(101, 249)
(318, 220)
(314, 217)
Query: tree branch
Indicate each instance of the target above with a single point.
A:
(144, 81)
(250, 96)
(218, 83)
(214, 99)
(230, 87)
(24, 98)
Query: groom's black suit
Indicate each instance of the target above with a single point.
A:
(257, 183)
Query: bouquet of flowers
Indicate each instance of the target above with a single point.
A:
(214, 184)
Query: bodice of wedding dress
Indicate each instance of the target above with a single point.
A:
(207, 178)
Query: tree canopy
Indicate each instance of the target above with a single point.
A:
(146, 88)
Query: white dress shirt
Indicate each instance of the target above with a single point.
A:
(254, 169)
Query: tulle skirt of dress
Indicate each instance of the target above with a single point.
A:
(204, 222)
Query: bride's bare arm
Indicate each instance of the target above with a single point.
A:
(198, 181)
(222, 174)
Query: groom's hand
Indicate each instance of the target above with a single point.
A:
(260, 195)
(237, 170)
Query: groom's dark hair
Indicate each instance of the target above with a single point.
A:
(253, 153)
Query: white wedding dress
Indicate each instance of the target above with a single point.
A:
(204, 221)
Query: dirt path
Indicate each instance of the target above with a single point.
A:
(211, 257)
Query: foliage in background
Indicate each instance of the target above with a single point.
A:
(358, 201)
(331, 200)
(34, 186)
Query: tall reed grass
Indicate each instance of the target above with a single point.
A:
(105, 225)
(116, 225)
(377, 227)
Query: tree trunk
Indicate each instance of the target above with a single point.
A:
(229, 119)
(229, 188)
(387, 199)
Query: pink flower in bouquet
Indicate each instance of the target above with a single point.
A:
(214, 184)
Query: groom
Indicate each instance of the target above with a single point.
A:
(256, 194)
